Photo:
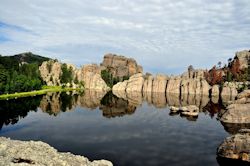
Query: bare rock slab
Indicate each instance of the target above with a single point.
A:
(24, 153)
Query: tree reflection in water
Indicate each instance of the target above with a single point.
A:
(13, 110)
(111, 105)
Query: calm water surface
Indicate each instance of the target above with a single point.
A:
(127, 131)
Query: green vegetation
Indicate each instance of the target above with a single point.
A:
(19, 78)
(67, 74)
(20, 73)
(110, 80)
(44, 90)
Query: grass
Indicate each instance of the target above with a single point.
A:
(44, 90)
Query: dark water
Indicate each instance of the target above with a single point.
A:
(136, 130)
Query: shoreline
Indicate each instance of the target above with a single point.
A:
(37, 92)
(17, 152)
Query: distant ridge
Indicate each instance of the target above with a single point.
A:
(26, 57)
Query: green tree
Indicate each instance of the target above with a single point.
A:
(67, 75)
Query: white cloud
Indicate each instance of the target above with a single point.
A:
(162, 35)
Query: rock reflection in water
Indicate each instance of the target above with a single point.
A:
(111, 105)
(234, 128)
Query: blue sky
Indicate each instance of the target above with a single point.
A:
(164, 36)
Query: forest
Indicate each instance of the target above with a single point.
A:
(20, 73)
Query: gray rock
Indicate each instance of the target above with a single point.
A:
(244, 94)
(243, 57)
(121, 66)
(236, 113)
(174, 109)
(236, 146)
(191, 110)
(14, 152)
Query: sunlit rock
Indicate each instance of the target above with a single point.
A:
(15, 152)
(236, 113)
(236, 146)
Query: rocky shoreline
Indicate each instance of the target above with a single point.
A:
(186, 94)
(24, 153)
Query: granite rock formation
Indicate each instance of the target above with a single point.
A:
(229, 91)
(26, 153)
(236, 146)
(238, 110)
(51, 72)
(243, 57)
(120, 66)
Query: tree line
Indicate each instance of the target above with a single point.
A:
(18, 77)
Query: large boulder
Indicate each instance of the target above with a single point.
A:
(229, 91)
(120, 86)
(135, 83)
(236, 146)
(243, 57)
(120, 66)
(191, 110)
(17, 153)
(236, 113)
(94, 81)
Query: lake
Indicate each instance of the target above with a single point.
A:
(133, 130)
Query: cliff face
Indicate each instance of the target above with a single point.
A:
(243, 57)
(51, 72)
(90, 74)
(192, 82)
(120, 66)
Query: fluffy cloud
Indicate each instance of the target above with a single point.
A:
(163, 35)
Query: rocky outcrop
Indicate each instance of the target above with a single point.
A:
(134, 84)
(236, 146)
(236, 113)
(15, 152)
(159, 84)
(193, 74)
(215, 90)
(229, 91)
(194, 87)
(173, 86)
(243, 57)
(120, 66)
(50, 72)
(94, 81)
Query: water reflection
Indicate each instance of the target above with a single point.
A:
(145, 132)
(12, 111)
(111, 105)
